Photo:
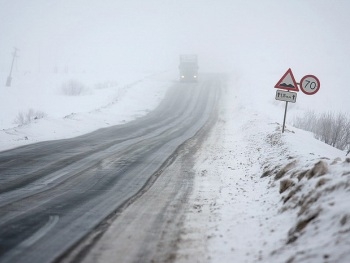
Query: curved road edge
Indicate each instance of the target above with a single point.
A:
(146, 228)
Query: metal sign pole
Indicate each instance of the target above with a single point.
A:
(309, 84)
(285, 114)
(9, 78)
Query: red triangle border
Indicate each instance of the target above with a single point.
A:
(278, 85)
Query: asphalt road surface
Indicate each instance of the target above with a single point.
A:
(58, 199)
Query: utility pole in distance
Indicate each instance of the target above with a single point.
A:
(9, 78)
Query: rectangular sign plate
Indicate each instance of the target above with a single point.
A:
(286, 96)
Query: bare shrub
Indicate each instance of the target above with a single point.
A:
(307, 122)
(331, 128)
(24, 118)
(339, 131)
(73, 88)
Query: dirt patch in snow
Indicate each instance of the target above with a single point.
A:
(316, 193)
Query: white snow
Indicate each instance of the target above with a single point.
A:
(101, 103)
(235, 214)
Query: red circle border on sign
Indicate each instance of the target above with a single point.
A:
(318, 84)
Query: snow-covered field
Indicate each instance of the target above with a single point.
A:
(259, 195)
(57, 106)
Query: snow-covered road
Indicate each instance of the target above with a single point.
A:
(54, 193)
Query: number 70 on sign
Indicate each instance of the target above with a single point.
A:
(309, 84)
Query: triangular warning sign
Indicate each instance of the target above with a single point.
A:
(287, 82)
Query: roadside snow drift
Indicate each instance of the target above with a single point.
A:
(264, 196)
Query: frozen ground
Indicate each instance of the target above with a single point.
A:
(264, 196)
(258, 196)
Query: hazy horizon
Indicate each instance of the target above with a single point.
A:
(264, 37)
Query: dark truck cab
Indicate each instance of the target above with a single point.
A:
(188, 68)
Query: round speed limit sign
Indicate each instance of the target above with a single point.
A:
(309, 84)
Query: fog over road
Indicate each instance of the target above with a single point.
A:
(53, 194)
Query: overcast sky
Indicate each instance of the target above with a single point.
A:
(310, 36)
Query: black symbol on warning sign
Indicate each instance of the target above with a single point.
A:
(287, 85)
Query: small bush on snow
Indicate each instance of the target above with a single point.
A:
(24, 118)
(331, 128)
(73, 88)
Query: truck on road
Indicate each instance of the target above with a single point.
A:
(188, 68)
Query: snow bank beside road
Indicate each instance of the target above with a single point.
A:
(314, 185)
(261, 196)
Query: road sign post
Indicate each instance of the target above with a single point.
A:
(287, 82)
(309, 85)
(285, 115)
(287, 97)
